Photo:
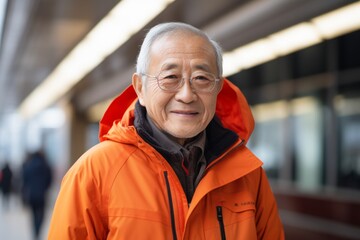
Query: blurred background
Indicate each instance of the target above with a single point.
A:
(297, 62)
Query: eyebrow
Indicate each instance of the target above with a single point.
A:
(203, 67)
(169, 66)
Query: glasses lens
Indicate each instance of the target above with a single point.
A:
(203, 81)
(169, 80)
(200, 81)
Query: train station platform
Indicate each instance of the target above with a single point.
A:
(15, 219)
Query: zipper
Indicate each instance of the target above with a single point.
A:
(221, 222)
(171, 206)
(218, 208)
(219, 213)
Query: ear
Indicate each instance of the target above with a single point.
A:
(138, 86)
(221, 84)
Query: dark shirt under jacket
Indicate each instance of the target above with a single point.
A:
(189, 161)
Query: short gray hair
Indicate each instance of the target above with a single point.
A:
(164, 29)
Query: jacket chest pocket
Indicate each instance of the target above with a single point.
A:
(234, 221)
(234, 211)
(233, 217)
(236, 203)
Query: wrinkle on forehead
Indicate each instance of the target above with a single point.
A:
(172, 65)
(176, 51)
(184, 39)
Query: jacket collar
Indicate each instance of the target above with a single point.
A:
(218, 138)
(232, 111)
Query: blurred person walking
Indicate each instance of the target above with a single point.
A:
(37, 178)
(5, 183)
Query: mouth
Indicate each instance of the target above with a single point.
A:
(185, 113)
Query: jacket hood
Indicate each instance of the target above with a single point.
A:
(231, 108)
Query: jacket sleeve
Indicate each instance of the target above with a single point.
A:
(77, 213)
(268, 222)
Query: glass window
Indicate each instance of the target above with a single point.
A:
(268, 139)
(308, 141)
(290, 131)
(349, 141)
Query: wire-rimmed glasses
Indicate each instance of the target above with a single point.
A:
(171, 81)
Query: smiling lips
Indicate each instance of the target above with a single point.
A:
(186, 113)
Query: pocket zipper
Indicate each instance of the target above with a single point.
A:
(221, 222)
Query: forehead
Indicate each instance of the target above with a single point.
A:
(174, 50)
(178, 64)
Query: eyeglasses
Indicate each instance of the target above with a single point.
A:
(171, 81)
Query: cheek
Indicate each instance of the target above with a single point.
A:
(150, 94)
(210, 107)
(156, 103)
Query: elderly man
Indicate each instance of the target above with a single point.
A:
(172, 162)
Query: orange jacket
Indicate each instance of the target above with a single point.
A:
(124, 189)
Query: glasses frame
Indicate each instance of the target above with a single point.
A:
(181, 83)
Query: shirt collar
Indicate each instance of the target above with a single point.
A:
(167, 143)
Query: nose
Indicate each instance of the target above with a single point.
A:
(186, 93)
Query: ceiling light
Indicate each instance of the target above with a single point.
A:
(108, 35)
(251, 54)
(295, 38)
(338, 22)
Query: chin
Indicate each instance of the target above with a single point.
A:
(181, 135)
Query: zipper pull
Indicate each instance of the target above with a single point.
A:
(221, 222)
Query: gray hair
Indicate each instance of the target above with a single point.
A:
(164, 29)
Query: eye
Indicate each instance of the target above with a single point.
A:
(201, 78)
(169, 80)
(171, 77)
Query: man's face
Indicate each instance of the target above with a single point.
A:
(184, 113)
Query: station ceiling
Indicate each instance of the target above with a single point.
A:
(38, 34)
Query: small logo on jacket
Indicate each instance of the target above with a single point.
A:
(245, 203)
